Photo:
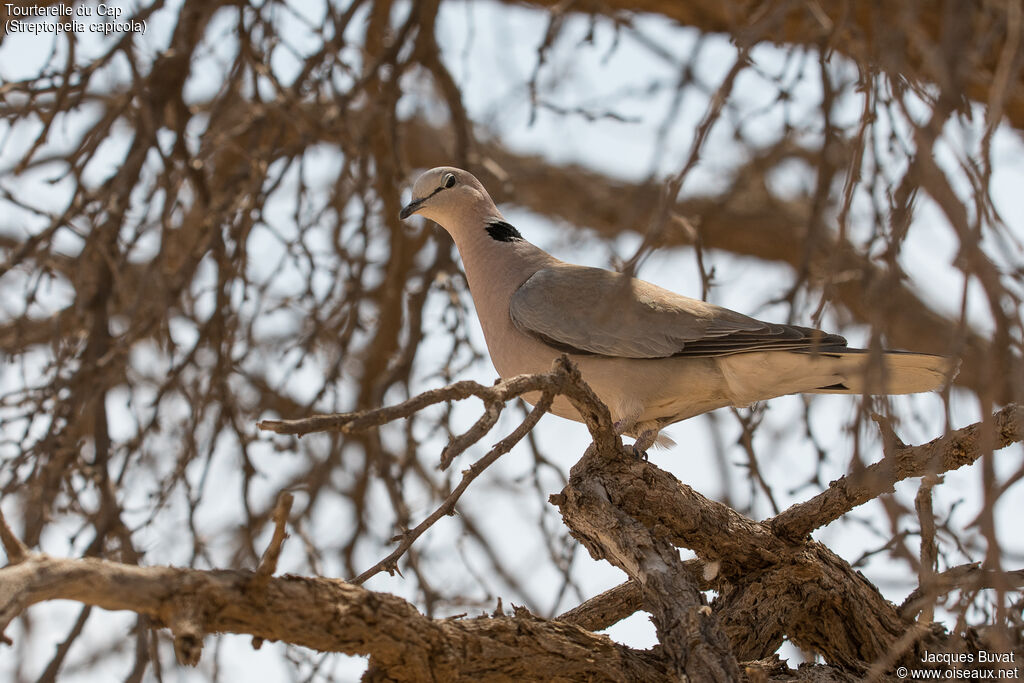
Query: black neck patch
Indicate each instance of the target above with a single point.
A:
(503, 232)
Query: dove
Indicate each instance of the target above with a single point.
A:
(652, 356)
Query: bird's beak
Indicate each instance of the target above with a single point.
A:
(411, 208)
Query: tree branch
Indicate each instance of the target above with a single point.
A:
(694, 643)
(268, 563)
(328, 616)
(952, 451)
(964, 577)
(772, 585)
(563, 379)
(390, 563)
(769, 588)
(16, 550)
(607, 608)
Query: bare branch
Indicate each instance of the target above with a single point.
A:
(866, 37)
(606, 609)
(13, 546)
(326, 615)
(694, 642)
(929, 548)
(390, 563)
(563, 379)
(268, 563)
(956, 449)
(964, 577)
(817, 600)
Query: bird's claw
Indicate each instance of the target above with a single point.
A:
(644, 440)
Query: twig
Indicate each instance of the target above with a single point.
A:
(460, 443)
(964, 577)
(13, 546)
(447, 507)
(350, 423)
(896, 651)
(563, 379)
(59, 657)
(929, 550)
(268, 563)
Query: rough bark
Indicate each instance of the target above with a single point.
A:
(328, 615)
(690, 635)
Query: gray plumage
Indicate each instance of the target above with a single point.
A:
(653, 356)
(613, 314)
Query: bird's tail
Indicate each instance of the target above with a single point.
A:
(857, 371)
(762, 375)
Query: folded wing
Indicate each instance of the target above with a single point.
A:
(593, 311)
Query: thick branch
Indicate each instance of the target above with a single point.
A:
(773, 587)
(693, 641)
(770, 589)
(330, 616)
(607, 608)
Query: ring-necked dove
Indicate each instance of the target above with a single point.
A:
(653, 356)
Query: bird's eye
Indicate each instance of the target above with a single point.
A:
(449, 180)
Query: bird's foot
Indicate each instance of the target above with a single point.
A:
(644, 441)
(639, 453)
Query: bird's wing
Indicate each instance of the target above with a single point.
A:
(593, 311)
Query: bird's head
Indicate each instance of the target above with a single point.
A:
(450, 196)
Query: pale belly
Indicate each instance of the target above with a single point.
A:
(639, 393)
